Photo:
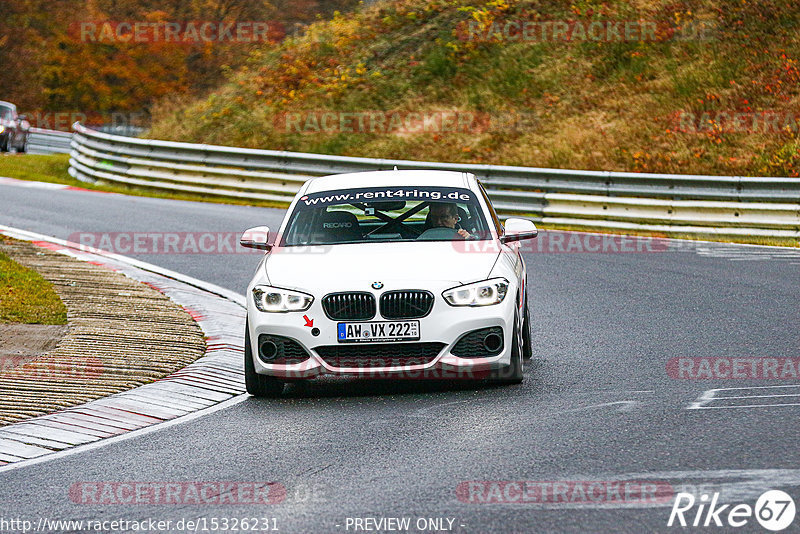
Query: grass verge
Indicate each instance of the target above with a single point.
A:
(26, 297)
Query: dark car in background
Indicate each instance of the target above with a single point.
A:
(14, 129)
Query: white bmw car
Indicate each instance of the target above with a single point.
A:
(394, 274)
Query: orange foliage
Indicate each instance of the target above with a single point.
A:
(46, 64)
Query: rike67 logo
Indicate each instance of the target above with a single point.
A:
(774, 510)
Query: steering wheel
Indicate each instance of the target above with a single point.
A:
(441, 233)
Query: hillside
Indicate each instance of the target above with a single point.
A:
(80, 57)
(695, 86)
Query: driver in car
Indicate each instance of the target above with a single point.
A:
(445, 215)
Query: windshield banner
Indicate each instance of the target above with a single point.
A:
(371, 194)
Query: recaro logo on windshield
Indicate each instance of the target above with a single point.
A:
(337, 225)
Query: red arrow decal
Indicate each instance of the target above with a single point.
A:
(309, 322)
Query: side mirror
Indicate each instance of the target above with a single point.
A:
(518, 230)
(23, 118)
(257, 237)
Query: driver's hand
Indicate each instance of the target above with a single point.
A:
(463, 233)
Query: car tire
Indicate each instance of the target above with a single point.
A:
(258, 385)
(24, 148)
(4, 144)
(527, 347)
(513, 373)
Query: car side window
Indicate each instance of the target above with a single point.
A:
(497, 224)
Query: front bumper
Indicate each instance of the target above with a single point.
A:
(445, 324)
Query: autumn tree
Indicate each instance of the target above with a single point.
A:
(47, 64)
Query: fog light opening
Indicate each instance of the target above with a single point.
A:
(492, 342)
(268, 350)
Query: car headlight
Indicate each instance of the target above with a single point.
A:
(277, 300)
(483, 293)
(2, 129)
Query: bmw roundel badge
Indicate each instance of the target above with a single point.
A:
(377, 285)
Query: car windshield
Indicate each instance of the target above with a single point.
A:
(5, 112)
(386, 214)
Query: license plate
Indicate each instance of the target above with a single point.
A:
(378, 331)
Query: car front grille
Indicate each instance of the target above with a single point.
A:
(380, 354)
(408, 304)
(349, 306)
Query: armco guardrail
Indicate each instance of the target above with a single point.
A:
(48, 141)
(697, 205)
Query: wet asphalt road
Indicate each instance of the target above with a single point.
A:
(597, 403)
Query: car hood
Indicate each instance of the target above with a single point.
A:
(342, 267)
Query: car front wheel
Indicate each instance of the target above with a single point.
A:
(258, 385)
(513, 373)
(527, 347)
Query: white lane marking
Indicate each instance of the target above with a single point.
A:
(627, 406)
(594, 391)
(761, 396)
(734, 252)
(31, 184)
(760, 387)
(128, 435)
(706, 400)
(422, 412)
(418, 413)
(735, 406)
